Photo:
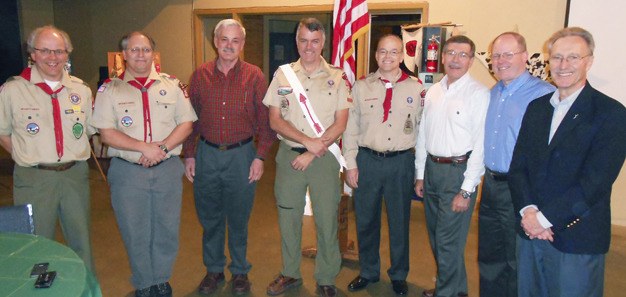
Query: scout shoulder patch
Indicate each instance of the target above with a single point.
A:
(184, 87)
(284, 91)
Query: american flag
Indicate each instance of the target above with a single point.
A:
(350, 20)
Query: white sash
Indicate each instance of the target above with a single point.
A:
(309, 113)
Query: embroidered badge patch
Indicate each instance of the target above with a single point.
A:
(77, 130)
(409, 100)
(74, 98)
(283, 91)
(32, 128)
(127, 121)
(162, 92)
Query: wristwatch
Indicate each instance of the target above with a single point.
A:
(164, 148)
(465, 194)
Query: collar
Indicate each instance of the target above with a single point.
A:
(324, 66)
(127, 76)
(235, 69)
(515, 84)
(568, 101)
(461, 81)
(32, 75)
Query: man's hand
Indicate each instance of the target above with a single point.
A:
(531, 224)
(302, 161)
(316, 146)
(190, 168)
(460, 204)
(152, 153)
(256, 170)
(419, 188)
(352, 178)
(547, 234)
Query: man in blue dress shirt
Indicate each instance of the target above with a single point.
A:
(509, 98)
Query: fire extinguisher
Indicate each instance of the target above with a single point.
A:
(432, 63)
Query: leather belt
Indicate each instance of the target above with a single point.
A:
(497, 176)
(138, 164)
(300, 150)
(386, 154)
(225, 147)
(451, 160)
(56, 167)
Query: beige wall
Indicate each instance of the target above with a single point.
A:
(33, 14)
(96, 27)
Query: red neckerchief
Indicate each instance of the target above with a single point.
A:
(147, 121)
(389, 93)
(56, 110)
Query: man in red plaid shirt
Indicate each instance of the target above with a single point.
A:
(223, 164)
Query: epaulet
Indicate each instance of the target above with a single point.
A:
(168, 76)
(12, 78)
(76, 79)
(334, 67)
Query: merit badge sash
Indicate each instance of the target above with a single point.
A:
(307, 109)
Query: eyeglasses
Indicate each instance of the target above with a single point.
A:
(136, 50)
(572, 59)
(384, 52)
(504, 56)
(462, 55)
(47, 52)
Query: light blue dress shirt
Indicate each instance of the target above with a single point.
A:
(507, 105)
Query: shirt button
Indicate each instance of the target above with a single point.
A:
(495, 132)
(223, 103)
(223, 118)
(499, 116)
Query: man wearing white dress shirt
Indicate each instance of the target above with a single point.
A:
(449, 163)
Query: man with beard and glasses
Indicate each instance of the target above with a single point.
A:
(449, 162)
(223, 164)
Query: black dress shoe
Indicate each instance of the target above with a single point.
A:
(400, 287)
(359, 283)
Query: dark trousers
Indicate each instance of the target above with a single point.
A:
(496, 240)
(447, 230)
(391, 178)
(545, 271)
(224, 199)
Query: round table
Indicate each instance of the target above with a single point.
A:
(18, 254)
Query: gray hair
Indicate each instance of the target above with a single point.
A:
(227, 23)
(573, 31)
(124, 41)
(462, 39)
(30, 42)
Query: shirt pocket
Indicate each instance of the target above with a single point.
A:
(29, 122)
(165, 110)
(129, 117)
(74, 123)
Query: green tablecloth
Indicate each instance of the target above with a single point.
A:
(18, 254)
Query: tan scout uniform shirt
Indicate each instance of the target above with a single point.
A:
(119, 106)
(365, 123)
(326, 89)
(26, 115)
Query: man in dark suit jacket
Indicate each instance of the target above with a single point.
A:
(570, 149)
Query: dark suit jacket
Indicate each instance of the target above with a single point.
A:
(570, 180)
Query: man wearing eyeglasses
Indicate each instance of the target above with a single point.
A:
(509, 98)
(144, 116)
(44, 123)
(378, 145)
(449, 162)
(570, 149)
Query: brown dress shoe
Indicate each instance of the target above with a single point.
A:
(428, 293)
(327, 291)
(241, 284)
(210, 282)
(281, 284)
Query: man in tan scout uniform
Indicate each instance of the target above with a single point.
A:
(44, 115)
(305, 158)
(378, 146)
(144, 116)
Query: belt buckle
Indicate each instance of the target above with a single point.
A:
(222, 147)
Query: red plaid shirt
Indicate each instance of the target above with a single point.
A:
(229, 107)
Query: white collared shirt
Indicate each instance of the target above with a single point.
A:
(453, 124)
